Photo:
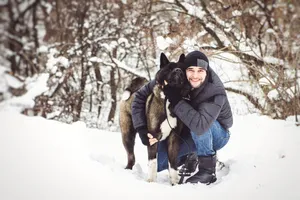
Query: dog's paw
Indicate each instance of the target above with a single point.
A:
(152, 177)
(152, 170)
(174, 178)
(150, 180)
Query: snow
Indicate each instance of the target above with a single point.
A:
(163, 43)
(236, 13)
(3, 2)
(35, 86)
(95, 59)
(53, 61)
(11, 81)
(122, 65)
(42, 49)
(46, 159)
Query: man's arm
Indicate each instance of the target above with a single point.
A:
(139, 113)
(199, 121)
(138, 106)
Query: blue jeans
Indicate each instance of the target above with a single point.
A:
(215, 138)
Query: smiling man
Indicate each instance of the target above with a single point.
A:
(196, 76)
(207, 115)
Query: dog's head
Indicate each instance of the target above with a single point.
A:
(171, 73)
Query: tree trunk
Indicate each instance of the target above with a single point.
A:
(113, 90)
(80, 96)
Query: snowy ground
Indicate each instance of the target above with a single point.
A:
(43, 159)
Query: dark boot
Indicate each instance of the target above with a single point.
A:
(207, 170)
(189, 162)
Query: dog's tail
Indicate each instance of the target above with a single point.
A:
(134, 86)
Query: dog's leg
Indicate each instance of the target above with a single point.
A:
(128, 141)
(152, 163)
(173, 149)
(128, 138)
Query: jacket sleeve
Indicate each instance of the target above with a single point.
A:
(138, 106)
(198, 121)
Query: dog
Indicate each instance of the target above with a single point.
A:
(161, 121)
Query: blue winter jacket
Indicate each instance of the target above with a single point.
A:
(207, 104)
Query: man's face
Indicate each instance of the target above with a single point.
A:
(196, 76)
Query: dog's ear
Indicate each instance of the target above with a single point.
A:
(163, 60)
(181, 58)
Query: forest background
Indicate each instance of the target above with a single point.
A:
(87, 52)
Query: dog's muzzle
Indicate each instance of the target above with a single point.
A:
(177, 77)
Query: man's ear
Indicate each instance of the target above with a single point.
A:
(181, 58)
(163, 60)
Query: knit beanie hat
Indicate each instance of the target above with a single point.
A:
(196, 59)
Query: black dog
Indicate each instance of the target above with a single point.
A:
(162, 124)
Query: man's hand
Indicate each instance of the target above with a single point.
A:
(147, 138)
(152, 140)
